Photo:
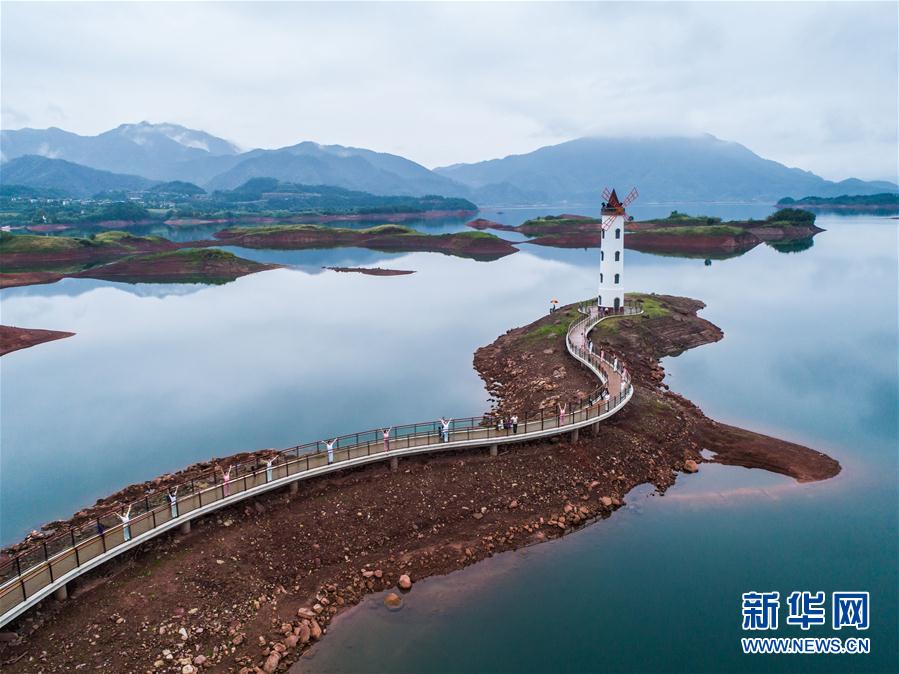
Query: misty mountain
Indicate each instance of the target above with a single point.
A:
(664, 169)
(348, 167)
(156, 151)
(701, 168)
(66, 177)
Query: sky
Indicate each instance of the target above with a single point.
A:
(812, 85)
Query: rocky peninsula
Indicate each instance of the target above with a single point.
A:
(253, 585)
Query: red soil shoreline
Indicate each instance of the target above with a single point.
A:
(13, 339)
(255, 584)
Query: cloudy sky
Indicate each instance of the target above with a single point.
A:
(808, 84)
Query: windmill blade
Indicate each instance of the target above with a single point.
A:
(607, 222)
(606, 193)
(628, 200)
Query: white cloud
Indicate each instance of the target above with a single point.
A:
(808, 84)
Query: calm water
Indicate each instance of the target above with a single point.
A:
(159, 376)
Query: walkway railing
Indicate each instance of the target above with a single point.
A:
(35, 573)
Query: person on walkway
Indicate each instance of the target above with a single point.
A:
(602, 354)
(514, 423)
(386, 433)
(126, 527)
(173, 501)
(269, 468)
(330, 449)
(499, 424)
(561, 414)
(100, 528)
(446, 428)
(226, 481)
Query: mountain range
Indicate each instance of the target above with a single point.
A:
(666, 169)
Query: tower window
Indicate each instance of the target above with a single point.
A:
(618, 233)
(617, 278)
(602, 255)
(617, 255)
(600, 278)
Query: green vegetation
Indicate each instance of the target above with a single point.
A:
(555, 223)
(702, 230)
(791, 216)
(32, 243)
(882, 199)
(652, 307)
(259, 197)
(558, 328)
(676, 219)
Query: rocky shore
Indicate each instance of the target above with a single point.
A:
(252, 586)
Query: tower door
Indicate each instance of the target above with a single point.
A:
(617, 303)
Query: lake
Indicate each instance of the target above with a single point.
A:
(160, 376)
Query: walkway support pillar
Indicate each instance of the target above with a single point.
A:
(494, 450)
(575, 434)
(294, 488)
(185, 527)
(394, 464)
(62, 593)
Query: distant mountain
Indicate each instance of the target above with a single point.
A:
(674, 169)
(156, 151)
(66, 177)
(348, 167)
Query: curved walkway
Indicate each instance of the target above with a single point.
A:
(44, 569)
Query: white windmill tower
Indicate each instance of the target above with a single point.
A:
(611, 249)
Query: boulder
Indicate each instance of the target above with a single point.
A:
(606, 501)
(405, 582)
(690, 466)
(315, 629)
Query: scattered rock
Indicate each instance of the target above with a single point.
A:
(690, 466)
(393, 601)
(405, 582)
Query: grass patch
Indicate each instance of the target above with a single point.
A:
(652, 306)
(702, 230)
(563, 321)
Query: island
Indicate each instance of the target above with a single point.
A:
(885, 203)
(256, 584)
(371, 271)
(388, 238)
(678, 234)
(27, 259)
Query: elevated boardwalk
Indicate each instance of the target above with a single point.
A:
(45, 569)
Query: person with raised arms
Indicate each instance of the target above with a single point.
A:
(126, 526)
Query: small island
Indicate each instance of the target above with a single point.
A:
(27, 259)
(678, 234)
(388, 238)
(371, 271)
(885, 203)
